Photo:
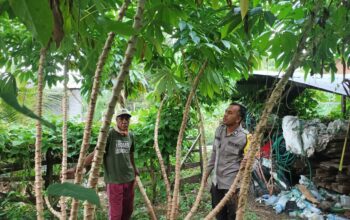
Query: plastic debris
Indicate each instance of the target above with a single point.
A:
(291, 134)
(337, 126)
(307, 194)
(295, 204)
(281, 203)
(280, 182)
(266, 162)
(345, 201)
(335, 217)
(269, 200)
(306, 137)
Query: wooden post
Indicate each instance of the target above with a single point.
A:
(343, 98)
(200, 154)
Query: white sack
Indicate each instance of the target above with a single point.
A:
(291, 134)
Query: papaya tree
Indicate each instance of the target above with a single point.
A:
(64, 137)
(176, 48)
(99, 150)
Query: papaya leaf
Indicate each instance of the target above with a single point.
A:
(123, 28)
(269, 17)
(31, 13)
(236, 21)
(8, 92)
(73, 190)
(215, 4)
(244, 7)
(226, 44)
(255, 11)
(182, 25)
(194, 37)
(224, 30)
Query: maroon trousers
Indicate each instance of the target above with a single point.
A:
(120, 200)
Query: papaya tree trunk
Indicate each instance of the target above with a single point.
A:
(143, 190)
(145, 197)
(51, 209)
(122, 99)
(64, 139)
(161, 161)
(38, 142)
(49, 168)
(102, 138)
(91, 110)
(175, 198)
(269, 105)
(154, 182)
(204, 159)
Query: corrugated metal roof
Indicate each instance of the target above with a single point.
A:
(316, 81)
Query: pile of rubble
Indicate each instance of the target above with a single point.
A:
(306, 201)
(322, 146)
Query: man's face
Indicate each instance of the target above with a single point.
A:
(123, 122)
(232, 116)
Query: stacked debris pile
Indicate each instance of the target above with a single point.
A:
(318, 147)
(324, 145)
(306, 201)
(307, 137)
(326, 166)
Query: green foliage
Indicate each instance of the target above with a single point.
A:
(8, 92)
(73, 190)
(253, 101)
(20, 54)
(18, 141)
(10, 208)
(250, 215)
(116, 26)
(213, 115)
(330, 107)
(188, 194)
(306, 104)
(32, 13)
(176, 38)
(168, 131)
(53, 139)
